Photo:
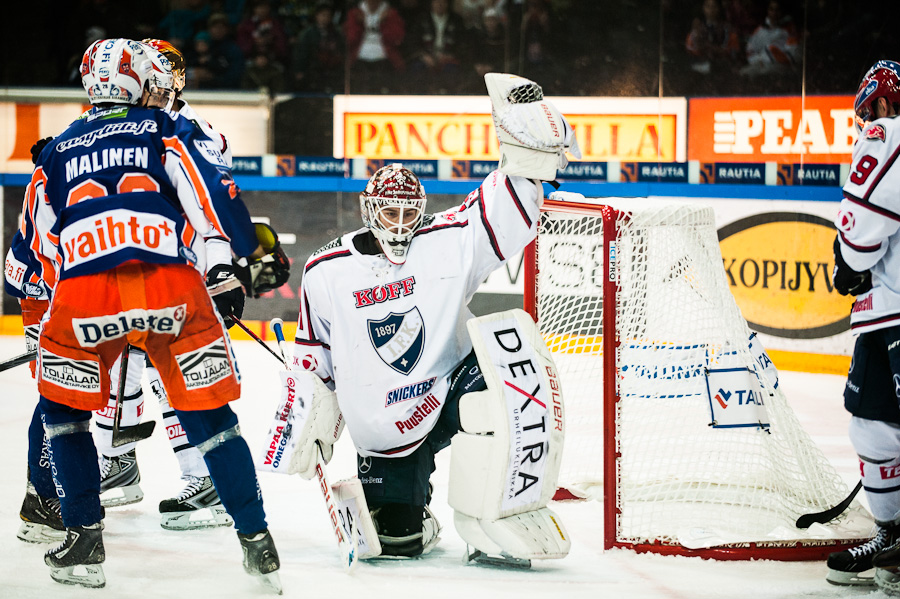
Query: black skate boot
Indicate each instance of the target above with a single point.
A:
(846, 568)
(41, 518)
(405, 530)
(261, 558)
(77, 560)
(197, 506)
(120, 480)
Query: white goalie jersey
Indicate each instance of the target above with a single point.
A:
(386, 336)
(868, 221)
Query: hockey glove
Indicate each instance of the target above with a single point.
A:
(846, 280)
(321, 429)
(266, 273)
(534, 136)
(229, 302)
(38, 147)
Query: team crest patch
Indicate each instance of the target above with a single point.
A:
(77, 375)
(205, 366)
(399, 339)
(876, 132)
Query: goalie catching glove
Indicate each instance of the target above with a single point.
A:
(534, 136)
(258, 275)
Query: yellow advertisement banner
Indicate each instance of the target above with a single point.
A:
(471, 136)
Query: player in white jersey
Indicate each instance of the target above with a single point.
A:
(384, 312)
(867, 266)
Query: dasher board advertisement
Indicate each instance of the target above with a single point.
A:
(461, 128)
(786, 130)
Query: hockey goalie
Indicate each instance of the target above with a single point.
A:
(386, 346)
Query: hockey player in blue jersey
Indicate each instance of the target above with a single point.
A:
(120, 202)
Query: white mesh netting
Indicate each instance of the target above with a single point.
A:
(681, 481)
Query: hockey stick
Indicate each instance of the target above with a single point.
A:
(256, 338)
(348, 547)
(18, 360)
(806, 520)
(135, 433)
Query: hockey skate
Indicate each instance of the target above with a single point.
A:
(120, 480)
(399, 531)
(261, 559)
(77, 559)
(41, 518)
(846, 568)
(197, 506)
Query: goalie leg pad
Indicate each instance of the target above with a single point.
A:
(538, 534)
(355, 518)
(505, 462)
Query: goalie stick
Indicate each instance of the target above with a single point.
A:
(135, 433)
(18, 360)
(807, 520)
(348, 546)
(255, 337)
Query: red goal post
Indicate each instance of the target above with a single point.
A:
(636, 287)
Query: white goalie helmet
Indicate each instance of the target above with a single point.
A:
(117, 71)
(393, 208)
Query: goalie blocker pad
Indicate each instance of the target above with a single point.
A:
(307, 413)
(505, 462)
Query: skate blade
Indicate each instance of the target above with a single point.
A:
(40, 533)
(850, 579)
(271, 582)
(498, 561)
(887, 581)
(119, 496)
(90, 576)
(211, 517)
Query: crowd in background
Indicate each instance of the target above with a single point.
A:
(572, 47)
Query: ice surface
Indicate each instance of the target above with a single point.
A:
(145, 561)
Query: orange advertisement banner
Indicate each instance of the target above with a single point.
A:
(435, 136)
(788, 129)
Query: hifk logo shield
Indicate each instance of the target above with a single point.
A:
(399, 339)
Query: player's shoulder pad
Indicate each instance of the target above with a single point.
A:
(336, 248)
(454, 217)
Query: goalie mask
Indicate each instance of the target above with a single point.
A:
(118, 70)
(393, 207)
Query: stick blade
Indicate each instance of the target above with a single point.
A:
(133, 434)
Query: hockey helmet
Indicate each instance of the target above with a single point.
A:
(393, 208)
(118, 70)
(175, 56)
(881, 81)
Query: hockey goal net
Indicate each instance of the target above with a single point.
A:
(674, 418)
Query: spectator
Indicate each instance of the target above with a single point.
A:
(712, 42)
(318, 55)
(439, 46)
(537, 39)
(472, 11)
(374, 32)
(774, 47)
(263, 73)
(261, 32)
(218, 62)
(180, 25)
(490, 44)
